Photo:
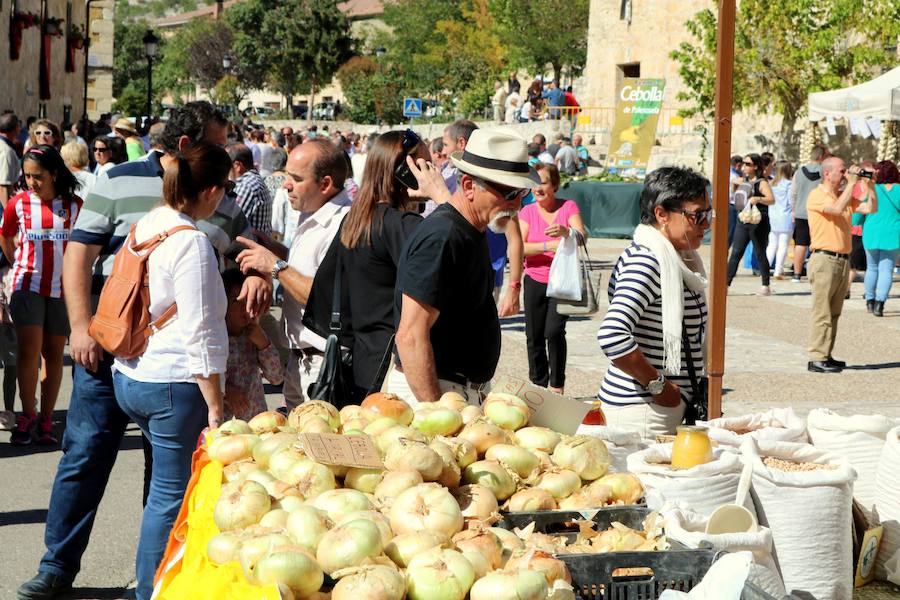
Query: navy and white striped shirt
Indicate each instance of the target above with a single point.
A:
(634, 320)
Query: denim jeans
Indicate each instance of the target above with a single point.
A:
(879, 273)
(95, 426)
(171, 415)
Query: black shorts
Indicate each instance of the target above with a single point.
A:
(857, 254)
(801, 232)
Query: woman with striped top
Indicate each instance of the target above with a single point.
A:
(657, 301)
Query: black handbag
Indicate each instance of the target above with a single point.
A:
(335, 381)
(698, 408)
(590, 283)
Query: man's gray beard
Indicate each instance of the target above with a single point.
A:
(495, 226)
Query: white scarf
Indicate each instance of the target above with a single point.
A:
(676, 269)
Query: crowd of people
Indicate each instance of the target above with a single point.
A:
(543, 100)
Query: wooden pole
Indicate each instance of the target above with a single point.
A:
(721, 183)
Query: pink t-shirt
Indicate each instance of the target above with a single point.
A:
(538, 266)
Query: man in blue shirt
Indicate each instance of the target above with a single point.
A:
(555, 98)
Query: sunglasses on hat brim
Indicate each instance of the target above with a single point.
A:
(403, 173)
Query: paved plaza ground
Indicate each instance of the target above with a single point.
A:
(765, 367)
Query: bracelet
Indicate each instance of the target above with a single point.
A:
(545, 246)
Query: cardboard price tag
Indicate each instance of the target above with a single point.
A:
(342, 450)
(553, 411)
(865, 567)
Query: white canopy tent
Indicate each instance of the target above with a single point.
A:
(876, 99)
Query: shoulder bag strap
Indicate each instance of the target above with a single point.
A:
(156, 240)
(335, 325)
(383, 367)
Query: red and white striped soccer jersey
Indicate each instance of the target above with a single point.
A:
(43, 231)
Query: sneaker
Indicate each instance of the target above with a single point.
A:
(8, 418)
(45, 432)
(764, 291)
(795, 279)
(24, 432)
(44, 586)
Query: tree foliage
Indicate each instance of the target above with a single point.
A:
(542, 32)
(787, 49)
(373, 91)
(130, 67)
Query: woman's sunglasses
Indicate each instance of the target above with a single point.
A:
(99, 149)
(698, 217)
(43, 133)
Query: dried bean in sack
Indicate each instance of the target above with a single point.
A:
(859, 439)
(887, 507)
(702, 488)
(805, 498)
(689, 528)
(619, 442)
(777, 424)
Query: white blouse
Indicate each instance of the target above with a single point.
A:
(183, 269)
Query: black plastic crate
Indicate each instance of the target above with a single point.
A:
(562, 522)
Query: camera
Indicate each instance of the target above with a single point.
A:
(865, 174)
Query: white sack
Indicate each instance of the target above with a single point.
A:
(564, 281)
(620, 443)
(724, 580)
(689, 528)
(809, 513)
(887, 505)
(859, 439)
(702, 488)
(777, 424)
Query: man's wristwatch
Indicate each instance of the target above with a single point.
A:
(656, 386)
(278, 267)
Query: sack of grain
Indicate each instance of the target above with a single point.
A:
(887, 508)
(859, 439)
(777, 424)
(620, 443)
(689, 528)
(702, 488)
(804, 495)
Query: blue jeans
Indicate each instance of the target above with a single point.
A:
(879, 273)
(171, 415)
(95, 426)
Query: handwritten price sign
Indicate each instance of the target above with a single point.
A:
(344, 450)
(559, 413)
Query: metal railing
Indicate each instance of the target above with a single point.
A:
(601, 119)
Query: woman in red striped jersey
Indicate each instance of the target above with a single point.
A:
(36, 226)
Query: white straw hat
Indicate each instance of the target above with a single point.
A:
(497, 157)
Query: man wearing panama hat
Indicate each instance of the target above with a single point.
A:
(448, 337)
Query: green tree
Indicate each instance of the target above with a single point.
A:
(542, 32)
(130, 69)
(785, 50)
(373, 91)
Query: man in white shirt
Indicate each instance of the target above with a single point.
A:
(10, 168)
(316, 171)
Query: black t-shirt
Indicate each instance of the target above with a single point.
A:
(369, 275)
(446, 264)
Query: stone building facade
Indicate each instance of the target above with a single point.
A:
(21, 91)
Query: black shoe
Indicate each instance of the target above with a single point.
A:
(836, 363)
(44, 586)
(870, 305)
(878, 309)
(822, 366)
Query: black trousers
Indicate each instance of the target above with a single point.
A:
(545, 332)
(744, 233)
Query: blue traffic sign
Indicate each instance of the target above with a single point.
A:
(412, 107)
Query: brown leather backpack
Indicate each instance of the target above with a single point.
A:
(122, 323)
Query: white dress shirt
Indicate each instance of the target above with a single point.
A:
(311, 241)
(285, 218)
(183, 269)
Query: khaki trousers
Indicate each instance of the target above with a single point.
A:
(829, 278)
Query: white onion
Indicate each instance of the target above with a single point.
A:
(439, 574)
(306, 525)
(338, 503)
(507, 411)
(379, 426)
(317, 408)
(282, 460)
(267, 421)
(482, 541)
(275, 518)
(426, 507)
(255, 547)
(590, 496)
(518, 459)
(538, 560)
(364, 480)
(470, 413)
(239, 470)
(532, 499)
(403, 548)
(388, 405)
(450, 473)
(537, 438)
(240, 505)
(559, 482)
(463, 450)
(492, 475)
(452, 400)
(625, 487)
(348, 545)
(266, 448)
(476, 502)
(233, 447)
(351, 412)
(354, 426)
(381, 521)
(310, 477)
(583, 454)
(479, 563)
(315, 424)
(223, 547)
(233, 426)
(510, 585)
(289, 503)
(410, 454)
(436, 420)
(370, 582)
(397, 433)
(395, 482)
(292, 567)
(510, 541)
(483, 434)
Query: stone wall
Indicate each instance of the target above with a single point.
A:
(100, 60)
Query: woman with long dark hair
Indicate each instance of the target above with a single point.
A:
(36, 227)
(369, 246)
(754, 190)
(108, 152)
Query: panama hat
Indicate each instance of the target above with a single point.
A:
(125, 124)
(497, 157)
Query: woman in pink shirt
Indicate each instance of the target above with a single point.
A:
(543, 224)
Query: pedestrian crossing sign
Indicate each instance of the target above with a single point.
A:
(412, 107)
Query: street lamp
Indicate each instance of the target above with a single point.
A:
(380, 51)
(151, 47)
(226, 63)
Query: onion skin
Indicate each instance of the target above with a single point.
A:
(408, 454)
(232, 448)
(388, 405)
(492, 475)
(537, 438)
(518, 459)
(538, 560)
(452, 400)
(341, 502)
(510, 585)
(476, 502)
(586, 455)
(531, 500)
(437, 420)
(439, 574)
(265, 449)
(348, 545)
(482, 541)
(373, 516)
(626, 488)
(294, 568)
(403, 548)
(224, 547)
(483, 434)
(426, 507)
(310, 478)
(372, 582)
(506, 411)
(397, 433)
(241, 506)
(234, 426)
(267, 421)
(395, 482)
(364, 480)
(510, 541)
(328, 412)
(561, 483)
(450, 474)
(306, 525)
(590, 496)
(275, 518)
(463, 450)
(238, 471)
(470, 413)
